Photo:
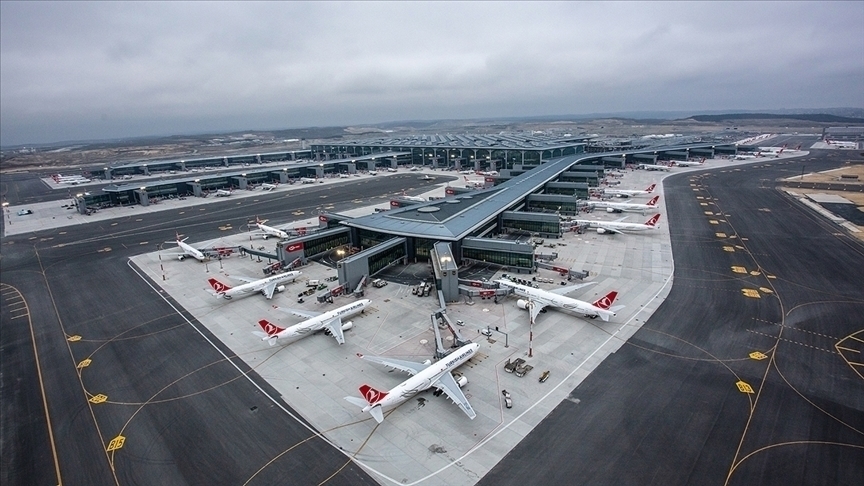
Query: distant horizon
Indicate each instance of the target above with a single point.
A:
(634, 115)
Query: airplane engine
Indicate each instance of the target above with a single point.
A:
(601, 231)
(461, 381)
(610, 210)
(181, 257)
(347, 325)
(280, 288)
(522, 304)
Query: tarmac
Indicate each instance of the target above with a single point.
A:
(314, 374)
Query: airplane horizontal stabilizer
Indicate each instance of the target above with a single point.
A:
(357, 401)
(377, 414)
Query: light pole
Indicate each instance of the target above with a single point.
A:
(530, 308)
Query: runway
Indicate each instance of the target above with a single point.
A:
(684, 402)
(118, 360)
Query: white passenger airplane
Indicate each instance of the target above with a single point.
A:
(266, 286)
(315, 321)
(619, 227)
(188, 251)
(653, 167)
(268, 231)
(269, 187)
(438, 375)
(308, 180)
(630, 192)
(539, 299)
(223, 192)
(411, 198)
(690, 163)
(617, 207)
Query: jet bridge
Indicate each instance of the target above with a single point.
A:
(438, 318)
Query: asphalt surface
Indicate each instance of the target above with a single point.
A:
(188, 411)
(667, 407)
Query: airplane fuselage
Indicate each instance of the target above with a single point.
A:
(555, 300)
(190, 251)
(315, 324)
(258, 285)
(271, 231)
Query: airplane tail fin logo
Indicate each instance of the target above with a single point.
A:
(218, 286)
(653, 221)
(269, 328)
(372, 395)
(653, 201)
(606, 301)
(651, 188)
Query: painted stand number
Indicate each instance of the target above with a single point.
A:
(744, 387)
(116, 443)
(757, 355)
(98, 398)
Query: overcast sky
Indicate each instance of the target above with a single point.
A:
(72, 71)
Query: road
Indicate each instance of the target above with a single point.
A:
(683, 402)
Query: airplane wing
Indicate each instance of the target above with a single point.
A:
(299, 312)
(269, 289)
(536, 307)
(409, 367)
(570, 288)
(448, 385)
(335, 328)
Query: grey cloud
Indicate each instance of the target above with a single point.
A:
(101, 70)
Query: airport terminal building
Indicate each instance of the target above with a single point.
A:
(530, 183)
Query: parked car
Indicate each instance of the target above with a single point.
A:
(24, 212)
(508, 402)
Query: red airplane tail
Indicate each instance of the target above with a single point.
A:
(270, 328)
(371, 395)
(653, 201)
(606, 301)
(651, 188)
(653, 221)
(218, 286)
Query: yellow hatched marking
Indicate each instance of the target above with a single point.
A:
(709, 213)
(771, 276)
(74, 338)
(699, 197)
(100, 398)
(225, 228)
(703, 204)
(720, 235)
(739, 247)
(738, 269)
(734, 236)
(758, 356)
(755, 272)
(751, 293)
(695, 190)
(744, 387)
(85, 363)
(766, 290)
(116, 443)
(713, 221)
(729, 249)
